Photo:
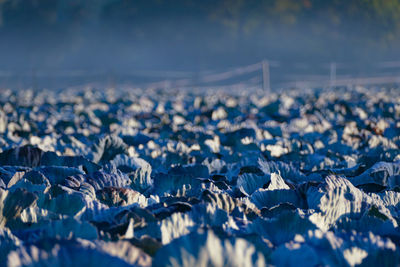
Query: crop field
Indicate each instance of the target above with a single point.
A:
(213, 178)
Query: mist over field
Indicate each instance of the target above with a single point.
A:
(194, 35)
(199, 133)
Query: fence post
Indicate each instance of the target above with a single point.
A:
(266, 78)
(333, 74)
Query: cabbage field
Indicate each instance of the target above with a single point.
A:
(207, 178)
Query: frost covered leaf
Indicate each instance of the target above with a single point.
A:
(287, 171)
(379, 173)
(8, 242)
(282, 228)
(295, 254)
(108, 147)
(207, 249)
(277, 183)
(27, 155)
(117, 196)
(138, 169)
(179, 176)
(12, 204)
(126, 251)
(115, 178)
(354, 255)
(250, 182)
(51, 159)
(57, 174)
(222, 201)
(68, 228)
(178, 224)
(67, 203)
(340, 198)
(270, 198)
(66, 255)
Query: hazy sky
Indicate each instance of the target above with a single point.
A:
(117, 35)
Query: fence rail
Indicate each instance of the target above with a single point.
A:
(268, 75)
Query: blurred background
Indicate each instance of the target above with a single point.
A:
(154, 40)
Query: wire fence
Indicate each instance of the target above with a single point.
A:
(268, 75)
